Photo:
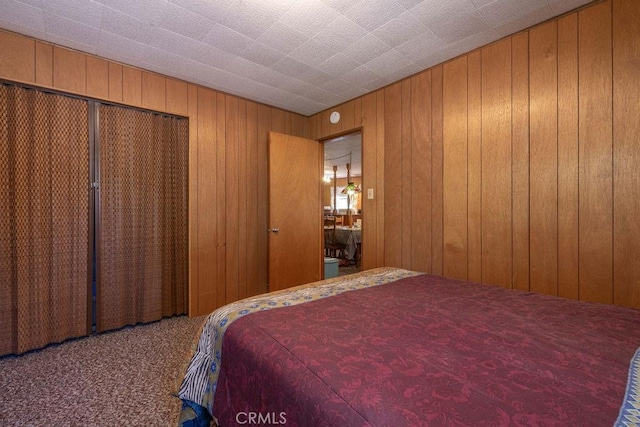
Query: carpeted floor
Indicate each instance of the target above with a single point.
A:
(121, 378)
(349, 269)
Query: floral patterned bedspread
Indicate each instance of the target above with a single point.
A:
(198, 377)
(430, 351)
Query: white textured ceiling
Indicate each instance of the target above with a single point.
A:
(300, 55)
(342, 150)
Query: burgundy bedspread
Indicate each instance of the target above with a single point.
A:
(429, 351)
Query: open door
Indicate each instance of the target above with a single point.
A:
(295, 211)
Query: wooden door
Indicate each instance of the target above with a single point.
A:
(295, 211)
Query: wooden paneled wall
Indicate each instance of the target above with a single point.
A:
(227, 163)
(515, 164)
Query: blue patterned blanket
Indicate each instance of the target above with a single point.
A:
(630, 411)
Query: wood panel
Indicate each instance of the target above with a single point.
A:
(221, 200)
(421, 171)
(207, 197)
(264, 125)
(44, 64)
(232, 203)
(252, 200)
(242, 200)
(177, 97)
(17, 61)
(496, 164)
(393, 175)
(313, 123)
(595, 153)
(131, 86)
(437, 165)
(153, 91)
(348, 116)
(520, 157)
(568, 156)
(296, 126)
(194, 269)
(278, 122)
(97, 77)
(474, 168)
(380, 177)
(69, 70)
(544, 158)
(406, 188)
(299, 125)
(626, 175)
(115, 82)
(288, 121)
(357, 111)
(369, 155)
(454, 179)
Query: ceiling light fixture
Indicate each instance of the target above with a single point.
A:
(351, 188)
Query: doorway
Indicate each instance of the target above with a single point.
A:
(342, 204)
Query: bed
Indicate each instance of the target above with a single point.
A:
(397, 347)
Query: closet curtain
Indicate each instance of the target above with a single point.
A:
(44, 218)
(142, 217)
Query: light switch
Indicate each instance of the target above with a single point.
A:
(370, 193)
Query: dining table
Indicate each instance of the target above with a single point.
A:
(351, 237)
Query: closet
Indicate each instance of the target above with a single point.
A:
(93, 217)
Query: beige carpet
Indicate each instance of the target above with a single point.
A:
(349, 269)
(121, 378)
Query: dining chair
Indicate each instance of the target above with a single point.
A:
(332, 248)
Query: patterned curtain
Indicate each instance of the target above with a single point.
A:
(44, 218)
(142, 217)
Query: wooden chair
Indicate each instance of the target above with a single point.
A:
(329, 221)
(331, 247)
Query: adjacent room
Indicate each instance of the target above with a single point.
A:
(319, 212)
(342, 200)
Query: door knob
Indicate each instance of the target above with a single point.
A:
(274, 230)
